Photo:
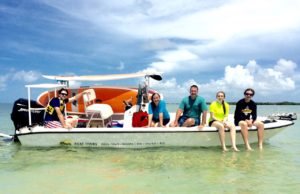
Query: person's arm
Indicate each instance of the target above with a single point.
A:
(237, 112)
(254, 112)
(213, 116)
(203, 120)
(150, 116)
(72, 99)
(162, 108)
(227, 113)
(204, 114)
(253, 115)
(61, 118)
(161, 119)
(211, 111)
(178, 114)
(225, 121)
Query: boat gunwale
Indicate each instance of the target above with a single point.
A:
(145, 130)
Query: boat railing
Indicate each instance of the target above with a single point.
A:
(41, 86)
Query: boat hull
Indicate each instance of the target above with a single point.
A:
(135, 137)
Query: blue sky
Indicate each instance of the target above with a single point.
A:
(219, 45)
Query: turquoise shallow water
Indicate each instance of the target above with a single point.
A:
(161, 170)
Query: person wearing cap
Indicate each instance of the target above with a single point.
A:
(54, 117)
(245, 116)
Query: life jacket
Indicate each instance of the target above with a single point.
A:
(50, 109)
(140, 119)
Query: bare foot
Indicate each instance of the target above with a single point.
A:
(225, 149)
(260, 147)
(249, 149)
(235, 149)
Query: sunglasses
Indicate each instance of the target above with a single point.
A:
(64, 94)
(248, 94)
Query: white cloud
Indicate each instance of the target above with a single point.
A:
(164, 66)
(238, 76)
(286, 67)
(26, 76)
(13, 75)
(233, 18)
(214, 24)
(194, 19)
(171, 83)
(178, 55)
(175, 61)
(158, 44)
(252, 67)
(266, 81)
(220, 33)
(3, 80)
(170, 89)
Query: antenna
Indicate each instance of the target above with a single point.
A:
(63, 82)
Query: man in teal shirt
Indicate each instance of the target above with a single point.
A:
(190, 109)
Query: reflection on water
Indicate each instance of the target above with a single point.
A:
(146, 170)
(160, 170)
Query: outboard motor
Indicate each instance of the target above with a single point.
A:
(285, 116)
(19, 114)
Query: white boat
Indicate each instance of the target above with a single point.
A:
(100, 126)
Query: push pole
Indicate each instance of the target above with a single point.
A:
(29, 106)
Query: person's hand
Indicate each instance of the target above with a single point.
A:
(66, 126)
(201, 126)
(225, 124)
(249, 122)
(175, 123)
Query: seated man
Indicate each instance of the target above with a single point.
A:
(191, 108)
(55, 110)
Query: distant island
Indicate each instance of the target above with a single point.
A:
(259, 103)
(272, 103)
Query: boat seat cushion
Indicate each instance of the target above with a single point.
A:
(105, 110)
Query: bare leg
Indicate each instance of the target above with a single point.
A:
(260, 133)
(221, 130)
(189, 122)
(244, 130)
(233, 136)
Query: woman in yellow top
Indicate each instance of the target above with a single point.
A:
(219, 111)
